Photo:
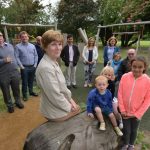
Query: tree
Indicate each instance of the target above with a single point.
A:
(72, 15)
(138, 9)
(110, 11)
(23, 11)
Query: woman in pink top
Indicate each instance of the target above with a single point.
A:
(134, 99)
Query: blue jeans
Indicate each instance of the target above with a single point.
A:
(27, 75)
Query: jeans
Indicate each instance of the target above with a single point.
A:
(27, 75)
(89, 70)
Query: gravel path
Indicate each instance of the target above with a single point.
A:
(15, 127)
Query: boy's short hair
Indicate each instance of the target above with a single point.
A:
(69, 36)
(101, 78)
(23, 32)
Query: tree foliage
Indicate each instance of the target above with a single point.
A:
(23, 11)
(72, 15)
(138, 9)
(110, 11)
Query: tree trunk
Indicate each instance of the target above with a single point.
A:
(77, 133)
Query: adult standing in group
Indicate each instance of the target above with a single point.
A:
(9, 75)
(56, 102)
(110, 50)
(70, 55)
(125, 65)
(39, 49)
(90, 55)
(27, 59)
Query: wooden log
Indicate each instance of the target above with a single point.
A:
(77, 133)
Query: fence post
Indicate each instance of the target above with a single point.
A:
(6, 34)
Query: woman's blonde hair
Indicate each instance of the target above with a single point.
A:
(50, 36)
(91, 39)
(108, 69)
(111, 38)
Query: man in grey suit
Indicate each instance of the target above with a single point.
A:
(9, 75)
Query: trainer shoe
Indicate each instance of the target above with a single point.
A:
(121, 125)
(131, 147)
(85, 85)
(90, 85)
(118, 131)
(102, 126)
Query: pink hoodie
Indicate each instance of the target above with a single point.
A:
(134, 95)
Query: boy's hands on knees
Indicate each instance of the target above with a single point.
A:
(90, 115)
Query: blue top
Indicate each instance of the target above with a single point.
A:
(115, 65)
(96, 99)
(26, 54)
(105, 55)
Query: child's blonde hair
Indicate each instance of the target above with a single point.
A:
(108, 69)
(101, 78)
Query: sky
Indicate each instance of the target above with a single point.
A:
(53, 2)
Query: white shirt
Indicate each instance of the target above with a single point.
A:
(71, 53)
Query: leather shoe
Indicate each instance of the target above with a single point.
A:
(33, 94)
(74, 86)
(68, 86)
(19, 105)
(10, 109)
(25, 98)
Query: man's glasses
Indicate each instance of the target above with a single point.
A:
(130, 53)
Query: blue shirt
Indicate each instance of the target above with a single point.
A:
(104, 101)
(26, 54)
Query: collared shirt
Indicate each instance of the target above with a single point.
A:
(71, 53)
(26, 54)
(7, 50)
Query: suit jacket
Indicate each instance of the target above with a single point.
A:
(55, 96)
(65, 55)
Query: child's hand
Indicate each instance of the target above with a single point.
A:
(91, 115)
(123, 114)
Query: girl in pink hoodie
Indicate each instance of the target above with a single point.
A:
(134, 99)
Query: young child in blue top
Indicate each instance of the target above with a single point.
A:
(99, 102)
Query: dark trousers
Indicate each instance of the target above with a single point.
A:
(10, 80)
(130, 127)
(27, 75)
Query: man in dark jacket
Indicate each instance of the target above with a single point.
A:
(39, 49)
(125, 65)
(70, 55)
